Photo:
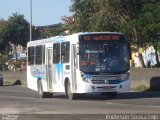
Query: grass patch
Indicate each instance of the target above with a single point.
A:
(7, 82)
(15, 82)
(140, 88)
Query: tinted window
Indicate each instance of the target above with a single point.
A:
(43, 57)
(31, 55)
(65, 48)
(39, 54)
(56, 53)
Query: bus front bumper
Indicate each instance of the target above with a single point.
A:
(100, 88)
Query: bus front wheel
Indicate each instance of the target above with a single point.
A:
(41, 93)
(69, 93)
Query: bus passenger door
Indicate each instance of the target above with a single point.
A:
(74, 66)
(49, 69)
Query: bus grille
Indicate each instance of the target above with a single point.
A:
(103, 80)
(98, 81)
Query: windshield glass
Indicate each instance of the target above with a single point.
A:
(109, 58)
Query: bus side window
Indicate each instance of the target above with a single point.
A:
(65, 50)
(56, 53)
(43, 54)
(39, 52)
(31, 55)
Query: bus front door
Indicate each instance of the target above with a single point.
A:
(49, 69)
(74, 66)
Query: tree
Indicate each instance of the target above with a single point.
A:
(139, 19)
(41, 32)
(150, 25)
(93, 15)
(69, 25)
(18, 30)
(128, 13)
(4, 41)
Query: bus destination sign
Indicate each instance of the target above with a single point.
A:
(101, 37)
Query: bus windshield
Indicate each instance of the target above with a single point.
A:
(108, 58)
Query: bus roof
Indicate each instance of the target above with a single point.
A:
(44, 41)
(62, 38)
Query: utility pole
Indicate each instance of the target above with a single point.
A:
(30, 20)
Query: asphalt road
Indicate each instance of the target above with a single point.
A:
(21, 103)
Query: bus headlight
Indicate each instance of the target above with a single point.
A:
(85, 77)
(82, 75)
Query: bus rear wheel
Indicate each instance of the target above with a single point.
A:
(41, 93)
(69, 94)
(1, 84)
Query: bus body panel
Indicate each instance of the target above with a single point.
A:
(35, 73)
(60, 72)
(117, 83)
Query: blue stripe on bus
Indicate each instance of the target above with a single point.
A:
(59, 69)
(39, 77)
(115, 81)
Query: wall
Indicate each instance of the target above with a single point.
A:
(13, 76)
(139, 76)
(146, 76)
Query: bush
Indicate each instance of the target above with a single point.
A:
(140, 88)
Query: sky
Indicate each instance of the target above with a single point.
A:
(44, 12)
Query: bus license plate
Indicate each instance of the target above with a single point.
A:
(107, 87)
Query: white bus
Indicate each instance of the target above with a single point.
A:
(96, 62)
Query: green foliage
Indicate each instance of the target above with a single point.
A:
(150, 22)
(18, 29)
(15, 30)
(140, 88)
(139, 19)
(93, 15)
(4, 41)
(42, 32)
(2, 60)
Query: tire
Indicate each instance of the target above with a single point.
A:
(81, 95)
(48, 95)
(110, 95)
(1, 84)
(69, 94)
(41, 93)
